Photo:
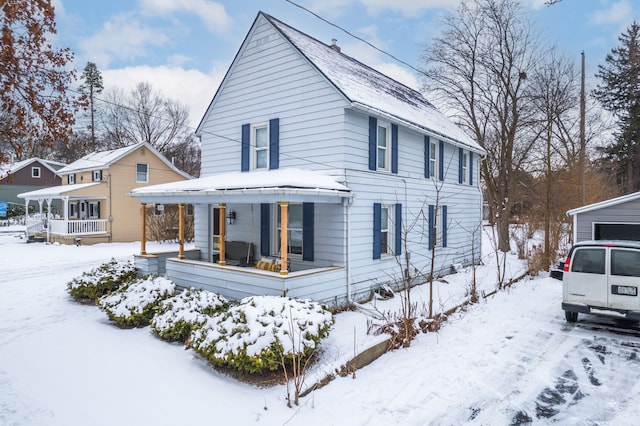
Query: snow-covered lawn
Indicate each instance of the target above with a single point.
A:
(509, 359)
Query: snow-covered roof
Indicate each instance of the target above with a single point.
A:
(103, 159)
(372, 91)
(54, 191)
(605, 204)
(54, 166)
(257, 182)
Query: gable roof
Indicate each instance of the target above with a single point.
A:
(606, 203)
(366, 89)
(103, 159)
(53, 166)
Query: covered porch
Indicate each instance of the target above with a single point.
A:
(79, 216)
(275, 219)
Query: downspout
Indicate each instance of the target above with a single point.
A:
(348, 202)
(110, 219)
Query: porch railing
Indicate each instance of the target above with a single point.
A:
(78, 227)
(34, 226)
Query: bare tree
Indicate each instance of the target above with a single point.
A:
(477, 68)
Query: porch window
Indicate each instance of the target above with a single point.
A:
(73, 210)
(94, 210)
(71, 179)
(35, 172)
(216, 228)
(294, 229)
(142, 172)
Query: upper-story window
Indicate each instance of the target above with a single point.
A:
(433, 155)
(465, 167)
(383, 146)
(71, 179)
(261, 147)
(35, 172)
(142, 172)
(97, 175)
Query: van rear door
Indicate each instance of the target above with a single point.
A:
(587, 283)
(624, 281)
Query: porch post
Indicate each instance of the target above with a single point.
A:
(143, 237)
(223, 237)
(181, 230)
(48, 219)
(284, 221)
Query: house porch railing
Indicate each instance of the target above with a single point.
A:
(78, 227)
(34, 226)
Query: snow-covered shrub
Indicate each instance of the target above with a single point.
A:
(104, 279)
(262, 332)
(134, 305)
(179, 315)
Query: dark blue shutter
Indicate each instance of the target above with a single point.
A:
(377, 230)
(427, 156)
(398, 229)
(98, 208)
(470, 168)
(265, 224)
(394, 148)
(274, 143)
(441, 161)
(246, 147)
(373, 144)
(307, 231)
(431, 227)
(444, 226)
(460, 165)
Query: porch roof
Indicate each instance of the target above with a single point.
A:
(59, 191)
(294, 185)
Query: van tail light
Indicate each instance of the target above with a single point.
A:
(567, 263)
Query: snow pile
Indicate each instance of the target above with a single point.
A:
(104, 279)
(262, 332)
(179, 315)
(135, 304)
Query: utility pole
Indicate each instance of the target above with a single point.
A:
(583, 143)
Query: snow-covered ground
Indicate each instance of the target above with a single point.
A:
(510, 359)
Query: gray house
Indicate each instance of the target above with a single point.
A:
(325, 175)
(614, 219)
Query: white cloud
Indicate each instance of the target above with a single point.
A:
(619, 13)
(213, 14)
(121, 37)
(407, 7)
(190, 87)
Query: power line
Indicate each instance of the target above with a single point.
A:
(384, 52)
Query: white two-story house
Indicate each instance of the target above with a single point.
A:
(329, 171)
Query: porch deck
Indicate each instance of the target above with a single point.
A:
(234, 282)
(66, 227)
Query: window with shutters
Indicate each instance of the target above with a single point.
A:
(433, 162)
(383, 142)
(94, 210)
(260, 145)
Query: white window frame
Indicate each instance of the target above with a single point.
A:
(254, 146)
(433, 159)
(385, 210)
(384, 149)
(73, 210)
(71, 178)
(96, 176)
(146, 179)
(36, 172)
(465, 167)
(94, 207)
(158, 209)
(290, 229)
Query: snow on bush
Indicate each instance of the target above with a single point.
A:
(134, 305)
(179, 315)
(104, 279)
(262, 332)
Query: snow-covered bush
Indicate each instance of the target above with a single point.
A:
(179, 315)
(134, 305)
(104, 279)
(262, 332)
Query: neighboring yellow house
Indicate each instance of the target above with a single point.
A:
(95, 205)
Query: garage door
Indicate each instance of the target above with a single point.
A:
(616, 231)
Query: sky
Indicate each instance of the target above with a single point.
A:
(184, 47)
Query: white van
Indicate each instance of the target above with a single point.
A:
(602, 277)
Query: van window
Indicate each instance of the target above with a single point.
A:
(625, 262)
(588, 260)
